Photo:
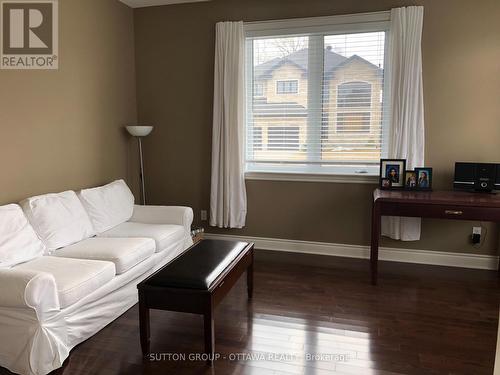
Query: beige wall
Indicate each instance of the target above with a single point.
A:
(63, 129)
(174, 57)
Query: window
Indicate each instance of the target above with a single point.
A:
(336, 123)
(287, 87)
(258, 89)
(353, 122)
(353, 107)
(281, 138)
(354, 94)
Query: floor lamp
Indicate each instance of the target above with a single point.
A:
(139, 132)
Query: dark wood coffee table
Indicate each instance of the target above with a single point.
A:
(196, 282)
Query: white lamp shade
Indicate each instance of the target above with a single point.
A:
(139, 131)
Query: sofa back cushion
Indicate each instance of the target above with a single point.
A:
(18, 241)
(58, 219)
(108, 205)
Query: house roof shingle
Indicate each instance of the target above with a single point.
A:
(301, 60)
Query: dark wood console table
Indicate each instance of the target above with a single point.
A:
(453, 205)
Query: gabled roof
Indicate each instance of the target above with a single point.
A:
(301, 60)
(354, 58)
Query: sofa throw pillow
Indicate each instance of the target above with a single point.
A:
(108, 205)
(18, 241)
(58, 219)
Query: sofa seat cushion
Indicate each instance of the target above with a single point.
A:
(75, 278)
(165, 235)
(125, 253)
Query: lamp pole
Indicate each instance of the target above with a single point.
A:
(143, 183)
(139, 132)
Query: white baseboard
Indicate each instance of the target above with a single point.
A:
(437, 258)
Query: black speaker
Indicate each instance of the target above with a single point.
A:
(477, 176)
(465, 175)
(485, 177)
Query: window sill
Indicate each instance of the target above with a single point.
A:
(310, 177)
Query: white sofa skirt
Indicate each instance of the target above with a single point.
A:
(37, 345)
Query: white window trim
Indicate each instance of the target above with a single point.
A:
(340, 24)
(312, 177)
(294, 173)
(350, 23)
(287, 93)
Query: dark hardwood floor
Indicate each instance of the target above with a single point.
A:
(418, 320)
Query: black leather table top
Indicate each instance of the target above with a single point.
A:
(198, 267)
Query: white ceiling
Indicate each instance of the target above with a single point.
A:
(151, 3)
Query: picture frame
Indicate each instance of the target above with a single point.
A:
(411, 180)
(424, 178)
(385, 184)
(394, 170)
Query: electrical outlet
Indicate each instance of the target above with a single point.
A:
(204, 215)
(476, 235)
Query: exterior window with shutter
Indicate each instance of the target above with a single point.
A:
(287, 87)
(258, 89)
(354, 107)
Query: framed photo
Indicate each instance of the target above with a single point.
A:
(424, 178)
(411, 180)
(394, 170)
(385, 183)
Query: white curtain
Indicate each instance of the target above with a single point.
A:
(228, 199)
(406, 140)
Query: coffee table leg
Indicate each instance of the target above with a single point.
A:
(250, 279)
(144, 326)
(209, 332)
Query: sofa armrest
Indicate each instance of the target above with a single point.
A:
(28, 289)
(163, 215)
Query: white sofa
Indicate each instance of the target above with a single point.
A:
(70, 264)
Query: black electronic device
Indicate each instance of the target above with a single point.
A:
(483, 177)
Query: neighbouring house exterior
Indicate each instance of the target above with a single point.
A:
(350, 110)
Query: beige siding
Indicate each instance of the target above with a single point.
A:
(284, 73)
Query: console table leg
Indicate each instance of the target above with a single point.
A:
(144, 326)
(209, 333)
(376, 218)
(498, 263)
(250, 278)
